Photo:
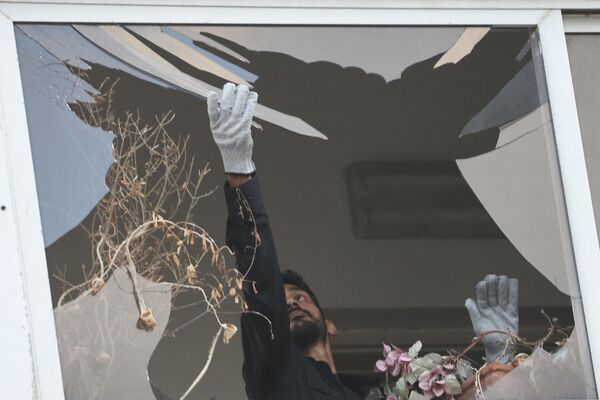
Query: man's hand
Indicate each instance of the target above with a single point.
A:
(230, 119)
(497, 307)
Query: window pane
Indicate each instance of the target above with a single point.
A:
(439, 168)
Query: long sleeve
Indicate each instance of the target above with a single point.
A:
(266, 344)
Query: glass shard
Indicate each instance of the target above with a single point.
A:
(518, 98)
(516, 187)
(545, 376)
(177, 34)
(70, 157)
(539, 118)
(69, 46)
(463, 46)
(117, 41)
(103, 354)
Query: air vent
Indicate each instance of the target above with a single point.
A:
(415, 200)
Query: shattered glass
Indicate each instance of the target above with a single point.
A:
(463, 46)
(66, 194)
(452, 131)
(518, 180)
(124, 45)
(546, 376)
(103, 354)
(513, 183)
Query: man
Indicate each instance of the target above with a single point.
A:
(285, 336)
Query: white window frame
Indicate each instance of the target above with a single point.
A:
(30, 363)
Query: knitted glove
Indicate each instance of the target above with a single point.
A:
(497, 307)
(230, 119)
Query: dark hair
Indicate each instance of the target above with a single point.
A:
(293, 278)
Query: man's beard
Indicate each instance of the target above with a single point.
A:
(307, 333)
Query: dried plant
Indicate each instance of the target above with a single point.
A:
(143, 223)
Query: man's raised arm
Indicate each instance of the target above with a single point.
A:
(265, 327)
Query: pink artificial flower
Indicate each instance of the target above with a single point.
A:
(395, 361)
(432, 383)
(391, 397)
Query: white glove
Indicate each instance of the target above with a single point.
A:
(497, 307)
(230, 119)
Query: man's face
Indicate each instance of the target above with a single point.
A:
(307, 325)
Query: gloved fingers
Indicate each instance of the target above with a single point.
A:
(513, 296)
(503, 291)
(492, 290)
(250, 106)
(227, 98)
(473, 310)
(481, 294)
(212, 105)
(240, 101)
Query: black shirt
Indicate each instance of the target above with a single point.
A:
(274, 369)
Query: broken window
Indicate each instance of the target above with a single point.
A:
(403, 164)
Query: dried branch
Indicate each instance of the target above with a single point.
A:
(143, 223)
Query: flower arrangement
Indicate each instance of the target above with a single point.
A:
(410, 377)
